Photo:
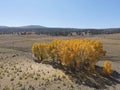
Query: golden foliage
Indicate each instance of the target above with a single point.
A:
(107, 67)
(40, 51)
(75, 53)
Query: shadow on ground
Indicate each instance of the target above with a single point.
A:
(96, 79)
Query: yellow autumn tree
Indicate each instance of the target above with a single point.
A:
(75, 53)
(40, 51)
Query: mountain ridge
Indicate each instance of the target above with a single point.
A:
(55, 31)
(27, 26)
(40, 26)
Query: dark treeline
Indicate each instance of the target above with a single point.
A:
(58, 31)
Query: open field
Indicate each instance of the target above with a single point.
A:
(111, 42)
(19, 72)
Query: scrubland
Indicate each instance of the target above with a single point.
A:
(18, 71)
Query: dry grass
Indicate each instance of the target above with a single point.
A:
(21, 72)
(111, 42)
(18, 70)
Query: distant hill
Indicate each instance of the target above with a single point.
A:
(3, 26)
(56, 31)
(28, 26)
(32, 26)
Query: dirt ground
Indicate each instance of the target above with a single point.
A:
(19, 72)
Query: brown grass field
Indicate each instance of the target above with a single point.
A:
(19, 72)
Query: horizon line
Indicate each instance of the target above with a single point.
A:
(58, 26)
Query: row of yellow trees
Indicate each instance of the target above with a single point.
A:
(74, 53)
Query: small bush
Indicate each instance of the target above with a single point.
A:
(107, 67)
(6, 87)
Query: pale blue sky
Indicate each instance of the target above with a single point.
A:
(61, 13)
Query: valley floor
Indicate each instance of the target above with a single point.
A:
(19, 72)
